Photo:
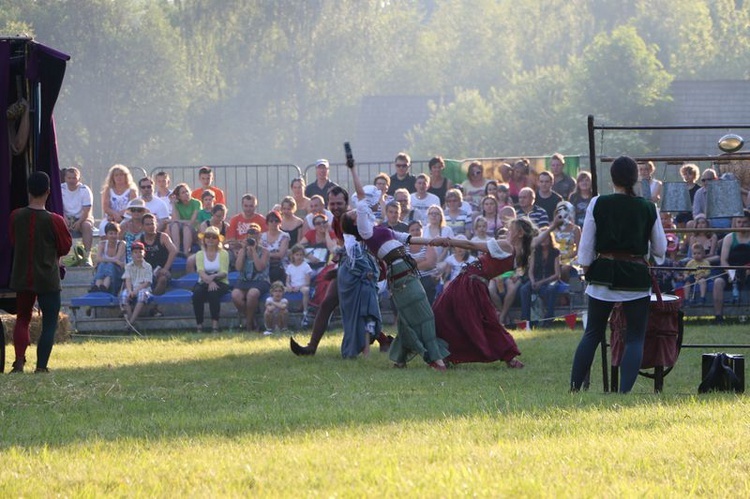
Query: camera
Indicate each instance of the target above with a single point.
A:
(250, 241)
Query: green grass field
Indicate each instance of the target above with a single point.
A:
(239, 415)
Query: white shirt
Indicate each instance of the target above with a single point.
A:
(420, 206)
(75, 201)
(587, 254)
(298, 274)
(158, 208)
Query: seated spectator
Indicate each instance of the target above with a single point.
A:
(132, 228)
(457, 214)
(252, 264)
(490, 210)
(563, 184)
(118, 190)
(519, 178)
(403, 198)
(708, 240)
(426, 259)
(110, 261)
(527, 208)
(218, 220)
(319, 243)
(184, 223)
(436, 228)
(276, 242)
(402, 179)
(690, 174)
(453, 263)
(567, 236)
(163, 190)
(276, 315)
(697, 277)
(480, 230)
(392, 216)
(421, 200)
(735, 251)
(322, 183)
(317, 207)
(669, 279)
(207, 204)
(160, 253)
(212, 262)
(206, 179)
(473, 186)
(581, 196)
(298, 193)
(647, 186)
(291, 223)
(77, 200)
(544, 273)
(137, 290)
(298, 277)
(240, 224)
(546, 198)
(154, 205)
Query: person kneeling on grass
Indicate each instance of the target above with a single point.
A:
(138, 277)
(276, 315)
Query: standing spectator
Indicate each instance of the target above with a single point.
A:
(241, 223)
(421, 200)
(155, 205)
(110, 261)
(473, 186)
(291, 223)
(322, 183)
(457, 213)
(276, 315)
(160, 252)
(77, 199)
(206, 179)
(527, 208)
(39, 239)
(690, 174)
(402, 179)
(212, 262)
(439, 185)
(184, 224)
(163, 191)
(298, 276)
(252, 264)
(138, 278)
(117, 191)
(564, 184)
(650, 188)
(619, 232)
(581, 197)
(546, 198)
(298, 193)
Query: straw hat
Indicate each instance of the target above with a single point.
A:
(214, 231)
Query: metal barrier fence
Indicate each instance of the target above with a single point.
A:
(339, 173)
(269, 183)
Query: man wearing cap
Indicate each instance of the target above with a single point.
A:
(132, 227)
(322, 183)
(154, 205)
(402, 179)
(206, 178)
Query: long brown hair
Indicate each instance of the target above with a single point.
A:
(529, 231)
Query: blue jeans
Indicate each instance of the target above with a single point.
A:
(547, 292)
(636, 318)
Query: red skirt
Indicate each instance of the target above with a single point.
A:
(466, 319)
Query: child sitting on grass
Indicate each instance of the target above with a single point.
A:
(698, 276)
(276, 315)
(138, 276)
(298, 274)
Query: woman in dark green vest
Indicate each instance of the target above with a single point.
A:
(613, 251)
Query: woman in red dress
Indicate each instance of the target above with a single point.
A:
(464, 314)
